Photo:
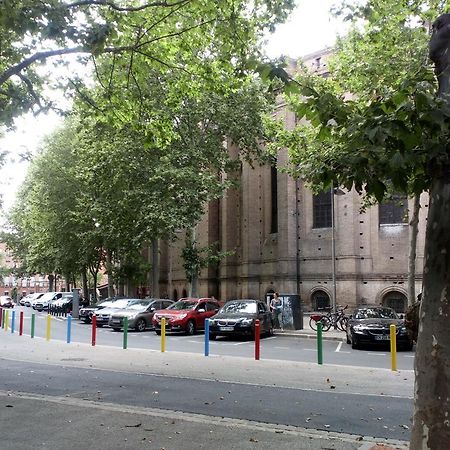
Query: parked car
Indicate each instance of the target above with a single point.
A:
(6, 301)
(371, 325)
(103, 315)
(42, 302)
(187, 314)
(139, 313)
(237, 317)
(30, 297)
(65, 302)
(86, 312)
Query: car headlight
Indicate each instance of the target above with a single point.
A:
(359, 329)
(180, 317)
(402, 329)
(246, 321)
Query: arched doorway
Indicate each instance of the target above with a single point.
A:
(320, 300)
(175, 294)
(395, 300)
(184, 294)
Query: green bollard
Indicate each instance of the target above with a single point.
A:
(33, 322)
(319, 343)
(125, 332)
(3, 317)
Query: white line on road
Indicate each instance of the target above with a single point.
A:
(242, 343)
(377, 354)
(311, 349)
(409, 356)
(338, 348)
(282, 348)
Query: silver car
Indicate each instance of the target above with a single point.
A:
(139, 313)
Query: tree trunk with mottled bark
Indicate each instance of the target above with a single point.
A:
(431, 427)
(155, 268)
(413, 231)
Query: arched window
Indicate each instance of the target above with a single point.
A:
(320, 300)
(322, 210)
(395, 300)
(175, 295)
(184, 294)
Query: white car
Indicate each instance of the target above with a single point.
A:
(6, 301)
(30, 297)
(42, 302)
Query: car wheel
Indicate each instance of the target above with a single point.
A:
(270, 330)
(116, 329)
(409, 346)
(190, 328)
(355, 343)
(87, 320)
(99, 325)
(212, 336)
(140, 325)
(348, 339)
(158, 332)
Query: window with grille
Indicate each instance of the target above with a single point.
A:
(322, 210)
(394, 211)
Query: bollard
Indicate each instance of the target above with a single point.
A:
(94, 330)
(49, 318)
(393, 330)
(33, 323)
(1, 316)
(125, 332)
(69, 328)
(6, 319)
(257, 338)
(319, 343)
(21, 323)
(163, 334)
(206, 337)
(13, 320)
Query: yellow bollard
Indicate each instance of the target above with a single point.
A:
(49, 319)
(393, 347)
(6, 319)
(163, 334)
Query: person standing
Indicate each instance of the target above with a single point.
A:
(276, 307)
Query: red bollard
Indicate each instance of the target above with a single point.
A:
(94, 329)
(21, 323)
(257, 338)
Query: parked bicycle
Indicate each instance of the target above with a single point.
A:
(337, 320)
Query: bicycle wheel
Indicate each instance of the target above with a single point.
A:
(342, 323)
(326, 323)
(313, 324)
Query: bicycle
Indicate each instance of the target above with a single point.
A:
(338, 320)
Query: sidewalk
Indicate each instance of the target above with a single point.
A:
(308, 333)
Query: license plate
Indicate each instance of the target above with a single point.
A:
(382, 337)
(115, 321)
(226, 328)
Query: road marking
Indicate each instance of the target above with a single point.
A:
(310, 349)
(377, 354)
(283, 348)
(338, 348)
(190, 340)
(242, 343)
(409, 356)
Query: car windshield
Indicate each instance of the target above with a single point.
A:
(123, 303)
(47, 296)
(140, 305)
(239, 307)
(376, 313)
(183, 304)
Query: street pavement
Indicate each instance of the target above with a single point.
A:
(53, 393)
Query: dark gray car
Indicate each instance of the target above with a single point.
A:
(237, 317)
(139, 313)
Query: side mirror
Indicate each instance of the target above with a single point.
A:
(152, 309)
(216, 310)
(201, 310)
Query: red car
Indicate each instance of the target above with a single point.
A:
(187, 314)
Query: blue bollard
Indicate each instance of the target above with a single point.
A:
(206, 337)
(13, 318)
(69, 327)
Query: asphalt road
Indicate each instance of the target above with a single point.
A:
(278, 347)
(360, 414)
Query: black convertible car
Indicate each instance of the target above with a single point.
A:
(371, 325)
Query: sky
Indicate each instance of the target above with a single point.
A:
(310, 28)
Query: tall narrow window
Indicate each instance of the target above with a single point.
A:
(322, 210)
(274, 199)
(394, 211)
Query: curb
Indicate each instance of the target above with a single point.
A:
(309, 336)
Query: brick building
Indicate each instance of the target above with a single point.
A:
(282, 238)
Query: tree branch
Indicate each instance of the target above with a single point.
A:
(112, 5)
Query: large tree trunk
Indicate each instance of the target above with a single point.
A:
(155, 268)
(84, 282)
(51, 283)
(110, 277)
(413, 231)
(431, 427)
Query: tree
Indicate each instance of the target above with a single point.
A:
(164, 32)
(392, 136)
